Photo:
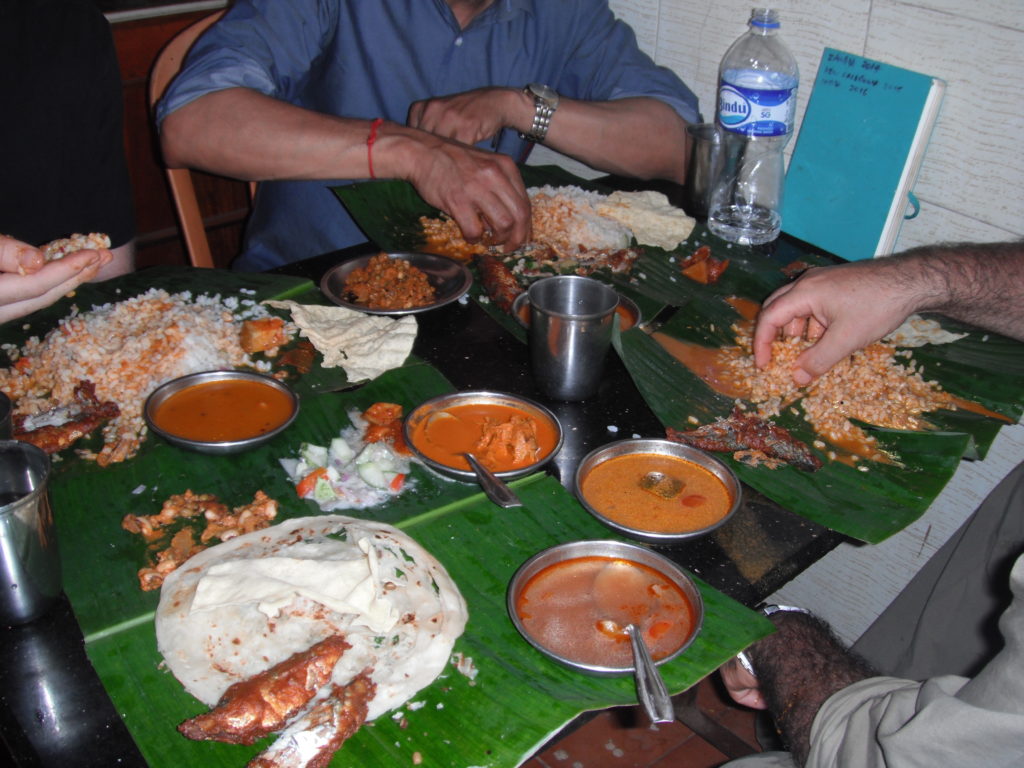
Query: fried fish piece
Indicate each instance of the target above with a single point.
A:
(497, 279)
(312, 740)
(740, 432)
(264, 334)
(61, 427)
(253, 708)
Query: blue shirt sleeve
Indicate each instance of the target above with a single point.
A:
(269, 47)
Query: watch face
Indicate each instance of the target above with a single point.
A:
(543, 92)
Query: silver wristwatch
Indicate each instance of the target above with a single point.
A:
(545, 102)
(767, 610)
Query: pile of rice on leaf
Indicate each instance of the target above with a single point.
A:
(126, 350)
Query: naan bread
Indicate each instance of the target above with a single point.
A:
(241, 607)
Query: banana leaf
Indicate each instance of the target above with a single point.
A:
(518, 697)
(987, 369)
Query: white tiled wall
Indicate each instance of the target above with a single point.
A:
(970, 188)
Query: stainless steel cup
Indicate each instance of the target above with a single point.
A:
(570, 330)
(30, 578)
(701, 168)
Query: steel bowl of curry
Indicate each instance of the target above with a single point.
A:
(627, 310)
(573, 601)
(511, 436)
(657, 491)
(221, 411)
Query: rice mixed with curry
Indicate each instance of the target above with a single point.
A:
(126, 350)
(872, 385)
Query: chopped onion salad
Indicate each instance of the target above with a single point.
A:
(349, 473)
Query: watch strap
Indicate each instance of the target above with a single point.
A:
(767, 610)
(543, 111)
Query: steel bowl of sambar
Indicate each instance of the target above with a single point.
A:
(572, 602)
(442, 429)
(221, 411)
(657, 491)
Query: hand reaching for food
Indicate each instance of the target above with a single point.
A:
(844, 308)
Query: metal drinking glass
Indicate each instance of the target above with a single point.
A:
(30, 574)
(570, 331)
(700, 172)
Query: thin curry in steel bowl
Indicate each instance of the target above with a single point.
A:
(573, 601)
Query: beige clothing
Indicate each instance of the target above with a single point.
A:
(944, 721)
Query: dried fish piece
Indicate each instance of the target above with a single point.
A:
(62, 426)
(741, 432)
(499, 282)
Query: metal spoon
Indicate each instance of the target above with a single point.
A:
(650, 688)
(493, 486)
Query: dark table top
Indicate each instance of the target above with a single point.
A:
(54, 710)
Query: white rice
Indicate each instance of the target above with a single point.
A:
(127, 349)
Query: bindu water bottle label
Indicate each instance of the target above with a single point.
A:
(755, 111)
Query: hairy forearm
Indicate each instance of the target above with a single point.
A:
(798, 668)
(640, 137)
(980, 284)
(245, 135)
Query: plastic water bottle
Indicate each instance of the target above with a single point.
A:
(758, 79)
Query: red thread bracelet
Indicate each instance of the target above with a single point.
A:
(369, 144)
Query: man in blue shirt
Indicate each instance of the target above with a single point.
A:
(308, 94)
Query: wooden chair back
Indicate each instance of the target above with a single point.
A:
(167, 65)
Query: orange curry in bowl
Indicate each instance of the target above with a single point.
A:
(502, 437)
(223, 411)
(656, 492)
(578, 609)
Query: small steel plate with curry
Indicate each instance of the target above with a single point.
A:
(448, 278)
(221, 411)
(511, 436)
(657, 491)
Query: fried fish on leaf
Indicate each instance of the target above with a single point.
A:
(312, 740)
(254, 708)
(742, 431)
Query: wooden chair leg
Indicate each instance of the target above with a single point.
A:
(689, 713)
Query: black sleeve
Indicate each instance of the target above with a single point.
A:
(62, 159)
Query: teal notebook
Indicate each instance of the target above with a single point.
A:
(850, 180)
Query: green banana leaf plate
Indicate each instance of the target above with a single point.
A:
(515, 699)
(870, 506)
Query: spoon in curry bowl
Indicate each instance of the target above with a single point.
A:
(492, 485)
(612, 582)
